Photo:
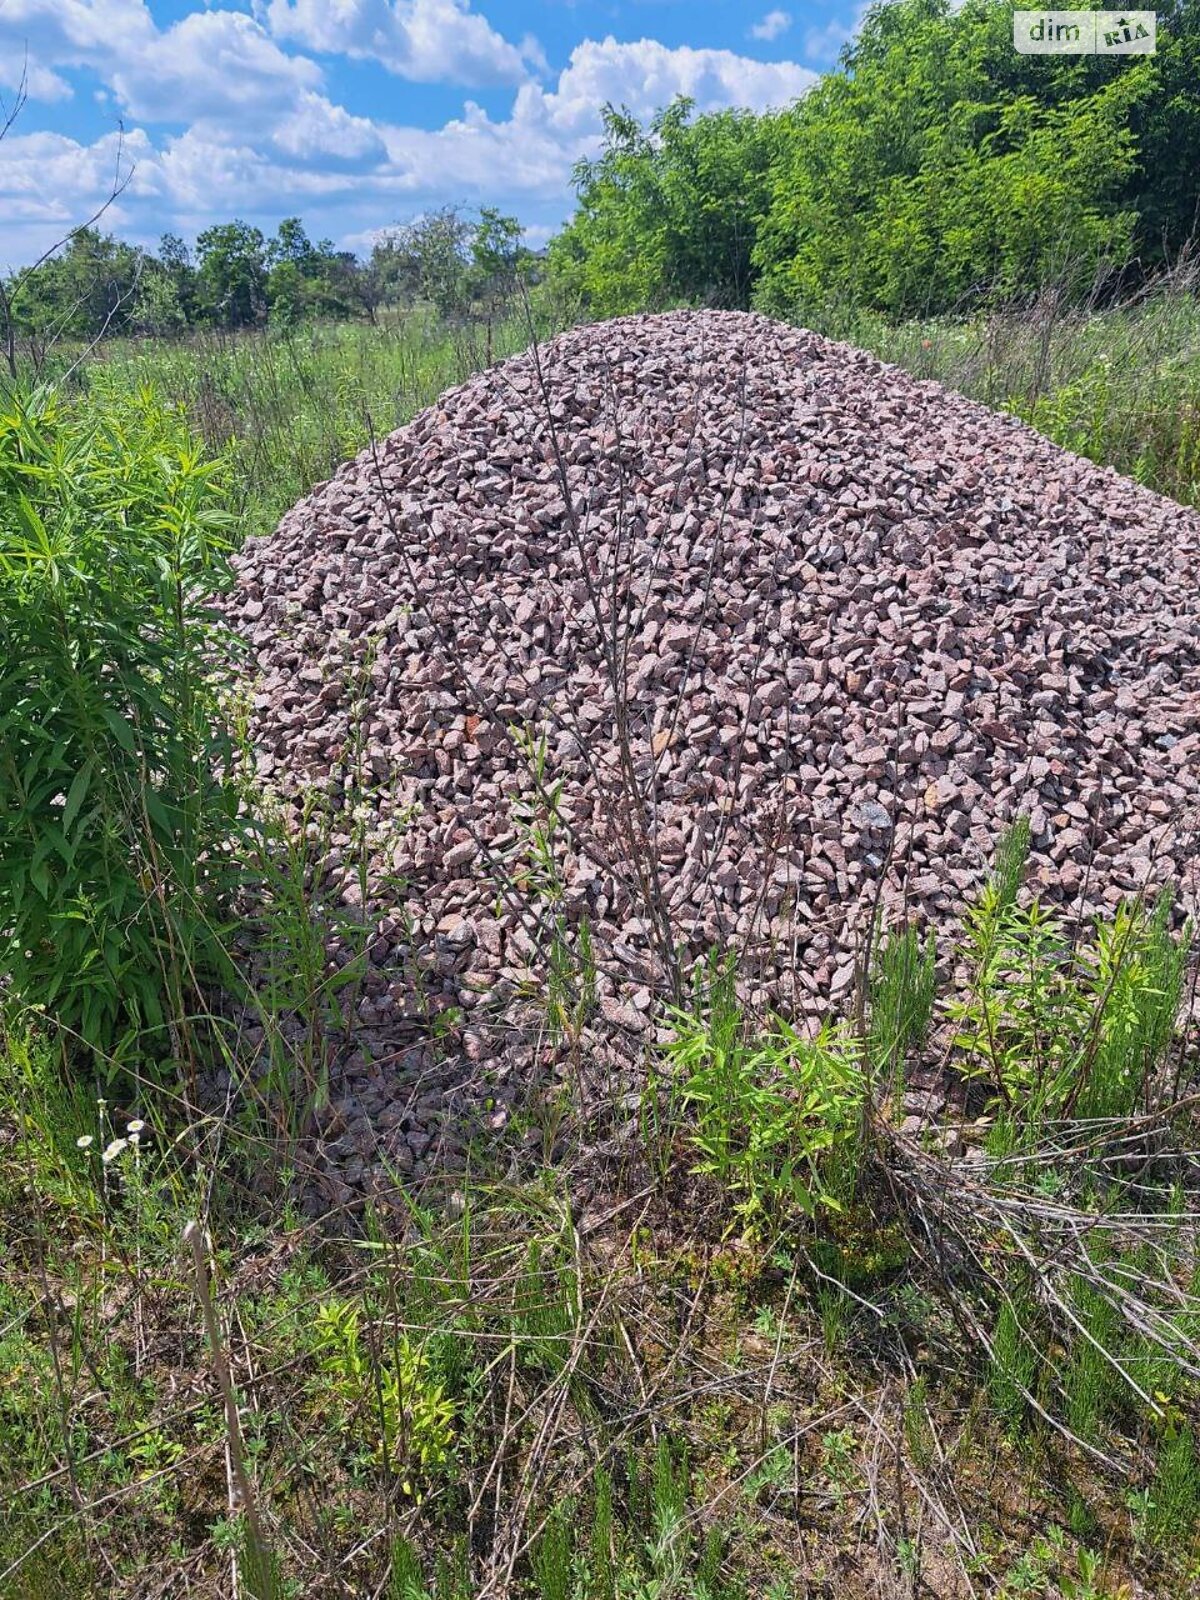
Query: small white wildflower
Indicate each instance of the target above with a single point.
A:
(114, 1150)
(84, 1142)
(135, 1126)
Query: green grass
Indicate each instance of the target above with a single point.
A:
(483, 1390)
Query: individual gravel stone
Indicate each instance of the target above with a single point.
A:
(694, 626)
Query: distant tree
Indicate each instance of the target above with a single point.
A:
(231, 275)
(495, 246)
(499, 264)
(429, 259)
(306, 279)
(166, 301)
(85, 291)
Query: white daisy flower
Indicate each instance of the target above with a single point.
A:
(84, 1142)
(114, 1150)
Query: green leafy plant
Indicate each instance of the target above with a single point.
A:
(1059, 1026)
(389, 1400)
(119, 811)
(769, 1108)
(1133, 977)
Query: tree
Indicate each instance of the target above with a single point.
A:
(306, 279)
(231, 275)
(669, 213)
(936, 168)
(432, 259)
(940, 166)
(85, 291)
(166, 300)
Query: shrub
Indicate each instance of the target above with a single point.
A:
(112, 755)
(1059, 1026)
(770, 1107)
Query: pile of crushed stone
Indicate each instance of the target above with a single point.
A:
(773, 619)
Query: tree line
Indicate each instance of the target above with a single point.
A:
(937, 167)
(235, 277)
(935, 170)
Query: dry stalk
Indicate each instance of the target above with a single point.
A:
(241, 1490)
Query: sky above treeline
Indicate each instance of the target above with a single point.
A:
(357, 114)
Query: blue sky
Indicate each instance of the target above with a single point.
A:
(357, 114)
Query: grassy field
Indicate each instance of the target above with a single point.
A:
(755, 1335)
(1119, 385)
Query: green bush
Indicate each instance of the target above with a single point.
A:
(773, 1110)
(114, 764)
(1063, 1027)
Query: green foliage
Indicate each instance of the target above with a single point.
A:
(305, 279)
(113, 840)
(1014, 1362)
(667, 214)
(231, 275)
(1093, 1383)
(771, 1108)
(902, 992)
(388, 1396)
(920, 177)
(936, 167)
(406, 1581)
(1059, 1026)
(1133, 977)
(462, 268)
(470, 271)
(552, 1564)
(91, 287)
(1175, 1494)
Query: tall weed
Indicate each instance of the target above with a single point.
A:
(114, 840)
(770, 1107)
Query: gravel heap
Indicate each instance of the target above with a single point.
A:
(858, 623)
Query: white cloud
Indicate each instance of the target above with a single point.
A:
(772, 26)
(34, 81)
(317, 129)
(646, 75)
(73, 32)
(426, 41)
(531, 153)
(209, 66)
(260, 138)
(49, 184)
